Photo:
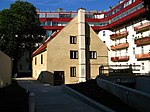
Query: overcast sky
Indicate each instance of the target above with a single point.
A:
(73, 5)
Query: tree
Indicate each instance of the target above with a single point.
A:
(147, 6)
(19, 29)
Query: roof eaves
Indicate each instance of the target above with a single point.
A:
(44, 45)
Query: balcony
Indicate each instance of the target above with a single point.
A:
(145, 56)
(119, 46)
(142, 27)
(118, 35)
(120, 58)
(142, 41)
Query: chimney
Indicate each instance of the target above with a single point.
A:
(82, 46)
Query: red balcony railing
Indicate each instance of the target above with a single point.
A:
(142, 56)
(142, 41)
(142, 27)
(119, 35)
(119, 46)
(120, 58)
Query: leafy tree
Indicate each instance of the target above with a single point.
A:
(147, 6)
(19, 29)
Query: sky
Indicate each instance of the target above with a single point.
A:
(67, 5)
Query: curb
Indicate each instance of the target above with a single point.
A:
(69, 91)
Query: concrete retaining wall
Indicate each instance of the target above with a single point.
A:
(143, 84)
(134, 98)
(73, 93)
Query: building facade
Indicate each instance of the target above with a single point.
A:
(73, 54)
(123, 28)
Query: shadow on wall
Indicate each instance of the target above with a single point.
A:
(47, 77)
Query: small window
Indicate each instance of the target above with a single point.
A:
(104, 33)
(143, 66)
(73, 54)
(93, 54)
(133, 50)
(41, 58)
(142, 50)
(73, 39)
(35, 60)
(72, 71)
(126, 52)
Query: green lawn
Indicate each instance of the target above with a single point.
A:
(13, 98)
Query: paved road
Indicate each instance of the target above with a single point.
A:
(51, 98)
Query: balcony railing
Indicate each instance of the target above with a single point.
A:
(120, 58)
(142, 27)
(142, 41)
(118, 35)
(145, 56)
(119, 46)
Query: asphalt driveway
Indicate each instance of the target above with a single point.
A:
(52, 99)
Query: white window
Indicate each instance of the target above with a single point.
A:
(72, 71)
(73, 54)
(93, 54)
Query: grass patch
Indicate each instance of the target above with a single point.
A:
(13, 98)
(91, 90)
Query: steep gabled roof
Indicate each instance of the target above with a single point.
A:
(44, 45)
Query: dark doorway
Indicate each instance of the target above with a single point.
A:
(58, 78)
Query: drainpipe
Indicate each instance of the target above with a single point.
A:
(82, 46)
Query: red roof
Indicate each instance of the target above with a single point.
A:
(44, 45)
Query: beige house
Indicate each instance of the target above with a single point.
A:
(5, 70)
(71, 55)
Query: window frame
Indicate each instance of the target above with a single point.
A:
(35, 61)
(41, 58)
(73, 39)
(74, 54)
(93, 54)
(73, 71)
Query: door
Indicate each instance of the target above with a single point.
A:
(58, 78)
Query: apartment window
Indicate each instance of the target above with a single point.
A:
(104, 33)
(142, 50)
(93, 54)
(73, 54)
(143, 66)
(73, 39)
(72, 71)
(41, 58)
(133, 50)
(35, 60)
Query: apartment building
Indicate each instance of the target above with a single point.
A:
(123, 28)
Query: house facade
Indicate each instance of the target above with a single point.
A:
(73, 54)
